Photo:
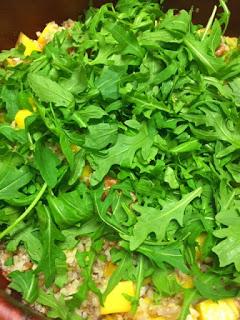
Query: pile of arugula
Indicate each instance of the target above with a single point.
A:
(140, 96)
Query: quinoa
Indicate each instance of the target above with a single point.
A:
(90, 309)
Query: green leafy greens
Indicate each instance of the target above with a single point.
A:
(137, 98)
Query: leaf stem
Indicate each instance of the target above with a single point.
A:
(210, 22)
(227, 14)
(25, 213)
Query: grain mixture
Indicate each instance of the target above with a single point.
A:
(119, 166)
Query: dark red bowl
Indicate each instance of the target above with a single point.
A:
(30, 16)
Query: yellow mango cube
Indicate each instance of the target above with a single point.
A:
(20, 117)
(86, 174)
(115, 301)
(48, 33)
(225, 309)
(200, 241)
(231, 42)
(12, 62)
(109, 268)
(29, 44)
(184, 280)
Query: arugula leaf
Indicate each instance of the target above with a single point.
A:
(12, 135)
(157, 220)
(127, 40)
(10, 99)
(78, 81)
(50, 236)
(228, 249)
(170, 178)
(235, 85)
(171, 254)
(77, 167)
(121, 153)
(12, 177)
(101, 135)
(213, 286)
(177, 24)
(31, 243)
(71, 208)
(50, 91)
(58, 307)
(118, 274)
(217, 121)
(109, 81)
(83, 115)
(61, 278)
(209, 62)
(26, 283)
(43, 156)
(66, 148)
(190, 296)
(86, 260)
(214, 39)
(166, 283)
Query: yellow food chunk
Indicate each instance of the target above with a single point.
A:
(12, 62)
(20, 117)
(193, 314)
(86, 173)
(158, 318)
(147, 300)
(115, 301)
(109, 268)
(75, 148)
(29, 44)
(185, 280)
(225, 309)
(231, 42)
(200, 241)
(48, 33)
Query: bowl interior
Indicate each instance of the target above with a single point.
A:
(30, 16)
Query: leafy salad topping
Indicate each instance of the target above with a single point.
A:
(139, 96)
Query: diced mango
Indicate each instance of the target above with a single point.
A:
(109, 268)
(20, 117)
(30, 45)
(200, 241)
(185, 280)
(193, 314)
(75, 148)
(12, 62)
(225, 309)
(48, 33)
(115, 301)
(147, 300)
(231, 42)
(86, 173)
(158, 318)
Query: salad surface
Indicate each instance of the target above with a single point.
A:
(123, 128)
